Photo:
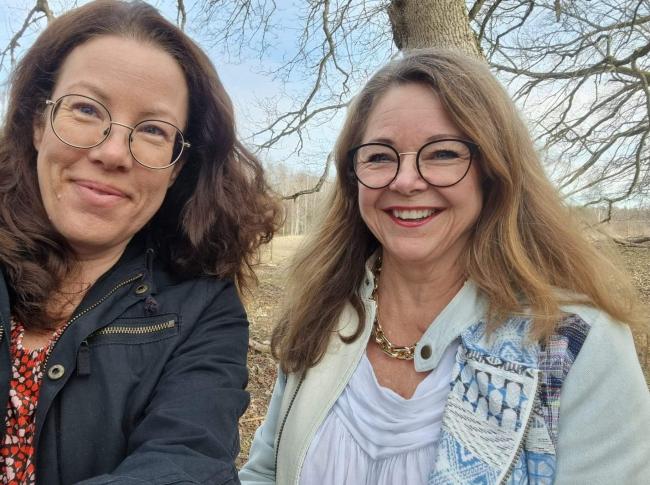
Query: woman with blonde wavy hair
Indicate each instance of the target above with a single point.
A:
(448, 322)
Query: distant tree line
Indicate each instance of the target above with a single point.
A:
(301, 213)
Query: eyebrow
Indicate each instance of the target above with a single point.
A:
(96, 91)
(104, 98)
(441, 136)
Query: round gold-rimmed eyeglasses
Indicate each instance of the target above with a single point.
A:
(83, 122)
(441, 163)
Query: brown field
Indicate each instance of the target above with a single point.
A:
(262, 305)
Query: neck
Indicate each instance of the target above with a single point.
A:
(88, 268)
(91, 265)
(412, 296)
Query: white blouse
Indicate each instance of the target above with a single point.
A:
(372, 435)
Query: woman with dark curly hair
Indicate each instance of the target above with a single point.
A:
(130, 215)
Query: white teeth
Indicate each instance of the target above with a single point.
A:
(412, 214)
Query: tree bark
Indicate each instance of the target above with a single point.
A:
(432, 23)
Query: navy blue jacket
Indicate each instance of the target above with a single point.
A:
(146, 384)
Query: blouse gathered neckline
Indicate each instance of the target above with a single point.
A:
(372, 435)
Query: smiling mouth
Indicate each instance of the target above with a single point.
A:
(101, 190)
(413, 214)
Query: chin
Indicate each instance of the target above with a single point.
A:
(410, 256)
(91, 239)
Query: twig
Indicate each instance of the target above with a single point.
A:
(632, 242)
(251, 420)
(262, 347)
(316, 187)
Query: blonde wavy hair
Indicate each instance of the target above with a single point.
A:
(524, 245)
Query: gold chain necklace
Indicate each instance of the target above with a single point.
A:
(401, 353)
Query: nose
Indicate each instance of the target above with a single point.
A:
(113, 153)
(408, 179)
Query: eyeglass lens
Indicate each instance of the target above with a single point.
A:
(441, 163)
(82, 122)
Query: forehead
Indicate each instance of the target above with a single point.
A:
(409, 112)
(127, 75)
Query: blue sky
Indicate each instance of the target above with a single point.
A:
(248, 80)
(243, 76)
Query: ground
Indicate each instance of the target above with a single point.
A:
(263, 302)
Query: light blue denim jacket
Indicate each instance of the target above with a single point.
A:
(576, 411)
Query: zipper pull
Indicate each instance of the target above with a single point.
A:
(83, 359)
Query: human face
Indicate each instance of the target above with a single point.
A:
(416, 223)
(98, 198)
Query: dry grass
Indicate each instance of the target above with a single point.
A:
(637, 261)
(262, 304)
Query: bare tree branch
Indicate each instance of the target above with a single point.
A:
(580, 70)
(319, 184)
(32, 17)
(181, 16)
(262, 347)
(476, 8)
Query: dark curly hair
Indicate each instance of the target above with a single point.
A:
(213, 218)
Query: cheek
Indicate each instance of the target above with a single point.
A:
(371, 215)
(37, 136)
(45, 173)
(153, 190)
(473, 196)
(366, 202)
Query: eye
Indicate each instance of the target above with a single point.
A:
(375, 154)
(156, 131)
(151, 130)
(447, 152)
(379, 158)
(86, 110)
(442, 155)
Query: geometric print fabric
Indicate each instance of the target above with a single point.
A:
(503, 387)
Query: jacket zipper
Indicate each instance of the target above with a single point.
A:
(83, 312)
(520, 449)
(83, 356)
(284, 420)
(115, 330)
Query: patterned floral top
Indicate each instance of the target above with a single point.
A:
(16, 450)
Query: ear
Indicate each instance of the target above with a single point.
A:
(38, 128)
(176, 170)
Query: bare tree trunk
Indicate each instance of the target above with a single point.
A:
(432, 23)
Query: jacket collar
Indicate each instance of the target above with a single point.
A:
(467, 308)
(131, 261)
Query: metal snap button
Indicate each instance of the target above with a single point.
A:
(56, 372)
(140, 289)
(425, 351)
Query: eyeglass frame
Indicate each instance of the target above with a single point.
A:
(184, 144)
(473, 150)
